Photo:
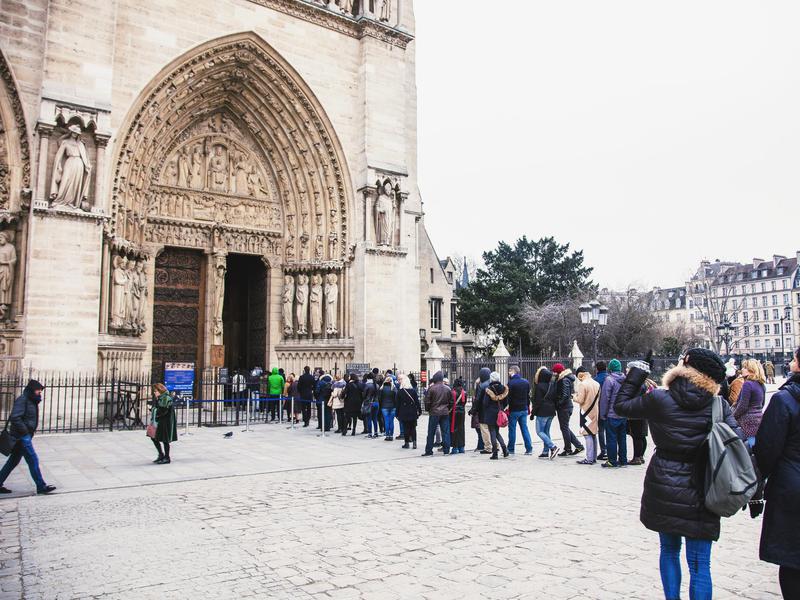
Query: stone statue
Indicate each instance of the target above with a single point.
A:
(196, 174)
(386, 10)
(220, 268)
(8, 259)
(71, 169)
(315, 302)
(183, 169)
(346, 6)
(172, 173)
(255, 186)
(384, 209)
(141, 275)
(288, 298)
(240, 174)
(218, 170)
(131, 297)
(301, 304)
(331, 302)
(119, 289)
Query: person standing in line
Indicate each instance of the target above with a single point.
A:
(438, 399)
(408, 410)
(336, 403)
(275, 384)
(378, 379)
(749, 406)
(672, 501)
(735, 385)
(637, 429)
(166, 423)
(587, 398)
(353, 399)
(457, 418)
(519, 405)
(22, 423)
(322, 394)
(370, 397)
(291, 408)
(600, 377)
(565, 388)
(496, 395)
(387, 398)
(777, 452)
(616, 426)
(476, 411)
(305, 393)
(544, 410)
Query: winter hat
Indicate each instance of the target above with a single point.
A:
(438, 377)
(494, 377)
(707, 362)
(614, 366)
(639, 364)
(730, 368)
(558, 368)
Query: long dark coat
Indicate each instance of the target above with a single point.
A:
(408, 406)
(166, 421)
(778, 454)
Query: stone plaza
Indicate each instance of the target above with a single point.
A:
(276, 513)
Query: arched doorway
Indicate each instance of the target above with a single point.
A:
(230, 204)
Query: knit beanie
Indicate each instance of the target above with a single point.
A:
(494, 377)
(558, 368)
(614, 366)
(707, 362)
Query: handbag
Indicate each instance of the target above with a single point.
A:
(7, 441)
(151, 427)
(502, 419)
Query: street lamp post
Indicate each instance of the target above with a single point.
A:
(594, 317)
(724, 331)
(787, 315)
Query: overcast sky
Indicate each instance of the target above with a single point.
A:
(650, 135)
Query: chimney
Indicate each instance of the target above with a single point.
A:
(756, 262)
(776, 258)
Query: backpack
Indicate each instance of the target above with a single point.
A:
(730, 481)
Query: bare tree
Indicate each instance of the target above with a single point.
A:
(714, 305)
(632, 328)
(554, 325)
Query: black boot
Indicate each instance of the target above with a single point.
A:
(493, 456)
(415, 445)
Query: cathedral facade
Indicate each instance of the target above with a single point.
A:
(225, 182)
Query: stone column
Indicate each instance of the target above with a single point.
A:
(100, 172)
(433, 359)
(44, 131)
(501, 356)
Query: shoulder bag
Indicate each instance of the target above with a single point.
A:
(7, 441)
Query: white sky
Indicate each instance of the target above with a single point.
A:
(650, 135)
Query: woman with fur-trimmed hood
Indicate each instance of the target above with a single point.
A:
(672, 502)
(495, 402)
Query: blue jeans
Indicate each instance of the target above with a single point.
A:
(433, 423)
(617, 441)
(698, 555)
(543, 431)
(601, 434)
(388, 420)
(521, 417)
(372, 421)
(24, 448)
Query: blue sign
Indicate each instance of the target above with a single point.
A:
(179, 378)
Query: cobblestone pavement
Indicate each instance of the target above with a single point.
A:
(283, 514)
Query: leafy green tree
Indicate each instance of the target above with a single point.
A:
(529, 273)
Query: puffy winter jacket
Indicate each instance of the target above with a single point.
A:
(24, 417)
(608, 393)
(565, 388)
(544, 404)
(680, 419)
(496, 395)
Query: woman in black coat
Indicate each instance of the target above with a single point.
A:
(544, 409)
(408, 410)
(672, 502)
(777, 451)
(353, 398)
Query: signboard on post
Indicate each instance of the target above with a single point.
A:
(179, 378)
(357, 368)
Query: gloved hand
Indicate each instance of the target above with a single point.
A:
(756, 508)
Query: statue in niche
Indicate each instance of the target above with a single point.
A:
(386, 10)
(131, 296)
(288, 299)
(218, 170)
(172, 173)
(141, 283)
(71, 169)
(196, 174)
(119, 290)
(346, 6)
(8, 260)
(183, 169)
(301, 304)
(319, 247)
(315, 302)
(220, 268)
(240, 174)
(332, 239)
(255, 186)
(331, 302)
(384, 211)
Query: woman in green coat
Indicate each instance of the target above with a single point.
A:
(165, 421)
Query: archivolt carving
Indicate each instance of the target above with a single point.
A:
(15, 160)
(230, 134)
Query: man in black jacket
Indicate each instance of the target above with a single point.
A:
(519, 401)
(305, 389)
(564, 388)
(22, 423)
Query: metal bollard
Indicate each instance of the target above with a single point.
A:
(292, 417)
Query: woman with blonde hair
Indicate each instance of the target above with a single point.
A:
(165, 422)
(749, 406)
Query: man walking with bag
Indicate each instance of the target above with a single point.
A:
(21, 426)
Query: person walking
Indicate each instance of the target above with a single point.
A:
(496, 395)
(544, 409)
(777, 452)
(769, 372)
(601, 368)
(749, 406)
(336, 403)
(616, 426)
(275, 383)
(672, 501)
(476, 411)
(438, 400)
(457, 418)
(166, 423)
(305, 394)
(564, 389)
(519, 405)
(22, 425)
(387, 398)
(587, 398)
(353, 399)
(408, 410)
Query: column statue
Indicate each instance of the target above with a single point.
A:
(288, 298)
(131, 297)
(119, 284)
(384, 211)
(141, 275)
(315, 301)
(8, 259)
(220, 268)
(301, 304)
(331, 303)
(71, 169)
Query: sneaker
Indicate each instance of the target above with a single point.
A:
(577, 451)
(544, 454)
(529, 453)
(637, 461)
(565, 453)
(4, 490)
(46, 490)
(552, 453)
(585, 462)
(609, 465)
(602, 456)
